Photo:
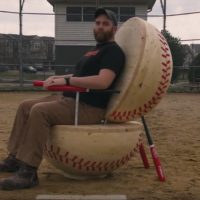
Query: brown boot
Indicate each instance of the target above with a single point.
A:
(9, 164)
(25, 177)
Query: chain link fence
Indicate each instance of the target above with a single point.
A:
(10, 75)
(185, 79)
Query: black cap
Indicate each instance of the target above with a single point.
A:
(110, 14)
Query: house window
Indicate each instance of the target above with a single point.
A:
(74, 13)
(126, 13)
(88, 14)
(123, 13)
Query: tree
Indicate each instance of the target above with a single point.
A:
(177, 50)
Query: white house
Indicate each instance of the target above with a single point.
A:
(74, 21)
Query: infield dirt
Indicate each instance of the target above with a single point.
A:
(175, 127)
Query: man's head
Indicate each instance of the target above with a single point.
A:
(105, 25)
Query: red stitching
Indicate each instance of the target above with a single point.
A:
(82, 165)
(87, 163)
(161, 89)
(165, 49)
(163, 84)
(165, 74)
(160, 35)
(163, 42)
(118, 163)
(113, 114)
(124, 113)
(131, 154)
(66, 161)
(165, 55)
(112, 165)
(129, 113)
(74, 158)
(60, 158)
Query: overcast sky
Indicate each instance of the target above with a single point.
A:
(183, 27)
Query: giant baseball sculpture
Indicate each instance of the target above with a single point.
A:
(148, 70)
(86, 151)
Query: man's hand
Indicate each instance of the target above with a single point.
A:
(54, 80)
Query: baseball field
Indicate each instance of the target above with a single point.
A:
(175, 127)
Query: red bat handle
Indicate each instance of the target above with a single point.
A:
(60, 87)
(143, 156)
(157, 163)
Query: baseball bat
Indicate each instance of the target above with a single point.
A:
(143, 156)
(154, 153)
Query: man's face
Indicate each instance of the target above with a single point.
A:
(104, 30)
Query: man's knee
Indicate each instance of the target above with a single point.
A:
(37, 110)
(25, 106)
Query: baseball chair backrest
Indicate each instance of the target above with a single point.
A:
(147, 72)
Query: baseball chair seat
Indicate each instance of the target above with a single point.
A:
(90, 151)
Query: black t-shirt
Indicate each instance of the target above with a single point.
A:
(104, 56)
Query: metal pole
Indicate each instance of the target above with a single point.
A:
(21, 3)
(77, 108)
(164, 23)
(163, 6)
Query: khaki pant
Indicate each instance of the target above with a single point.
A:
(33, 121)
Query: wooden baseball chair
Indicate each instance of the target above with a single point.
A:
(91, 151)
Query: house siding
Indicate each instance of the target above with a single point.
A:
(80, 33)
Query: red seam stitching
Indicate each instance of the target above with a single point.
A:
(161, 89)
(79, 164)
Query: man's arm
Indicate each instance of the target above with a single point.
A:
(53, 79)
(101, 81)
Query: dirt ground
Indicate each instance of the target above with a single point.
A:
(175, 126)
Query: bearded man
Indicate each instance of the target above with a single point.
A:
(98, 69)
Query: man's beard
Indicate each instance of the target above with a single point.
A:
(102, 37)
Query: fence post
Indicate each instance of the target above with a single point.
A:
(21, 3)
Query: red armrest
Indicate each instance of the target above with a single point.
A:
(38, 83)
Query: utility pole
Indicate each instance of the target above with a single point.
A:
(163, 4)
(21, 4)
